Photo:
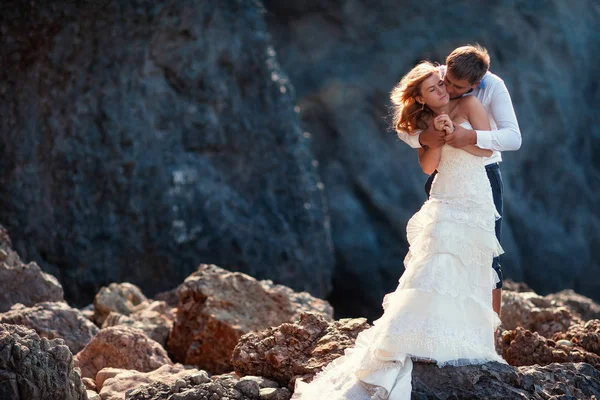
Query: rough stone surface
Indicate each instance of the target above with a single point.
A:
(585, 335)
(199, 386)
(521, 347)
(121, 347)
(495, 381)
(139, 139)
(535, 313)
(116, 297)
(23, 283)
(113, 383)
(580, 305)
(299, 350)
(154, 318)
(343, 59)
(216, 307)
(54, 320)
(34, 368)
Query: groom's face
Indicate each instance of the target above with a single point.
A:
(456, 87)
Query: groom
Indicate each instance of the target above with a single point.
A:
(466, 73)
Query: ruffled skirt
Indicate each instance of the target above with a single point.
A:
(440, 311)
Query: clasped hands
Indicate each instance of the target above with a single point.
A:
(444, 131)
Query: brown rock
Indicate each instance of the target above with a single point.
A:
(117, 297)
(89, 383)
(216, 307)
(535, 313)
(297, 350)
(23, 283)
(34, 368)
(580, 305)
(113, 383)
(521, 347)
(121, 347)
(510, 285)
(154, 318)
(54, 320)
(585, 335)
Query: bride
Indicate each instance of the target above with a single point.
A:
(441, 311)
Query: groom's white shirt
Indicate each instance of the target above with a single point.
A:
(505, 134)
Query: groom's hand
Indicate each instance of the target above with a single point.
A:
(461, 137)
(432, 138)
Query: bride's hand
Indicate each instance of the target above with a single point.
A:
(443, 123)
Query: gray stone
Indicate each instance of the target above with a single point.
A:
(34, 368)
(140, 139)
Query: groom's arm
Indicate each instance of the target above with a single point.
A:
(507, 137)
(425, 138)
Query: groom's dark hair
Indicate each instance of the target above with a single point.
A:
(469, 62)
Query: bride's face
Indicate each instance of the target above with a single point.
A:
(433, 92)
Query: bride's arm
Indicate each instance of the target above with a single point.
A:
(429, 158)
(478, 119)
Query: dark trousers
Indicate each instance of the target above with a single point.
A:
(495, 177)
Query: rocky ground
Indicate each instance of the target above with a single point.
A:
(226, 335)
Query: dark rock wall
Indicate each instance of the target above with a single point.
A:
(140, 138)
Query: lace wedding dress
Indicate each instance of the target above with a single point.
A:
(442, 307)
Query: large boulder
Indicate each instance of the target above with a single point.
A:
(343, 58)
(23, 283)
(34, 368)
(54, 320)
(133, 148)
(216, 307)
(120, 347)
(291, 351)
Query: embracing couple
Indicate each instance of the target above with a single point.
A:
(446, 306)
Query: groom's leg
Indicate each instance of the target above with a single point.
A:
(495, 177)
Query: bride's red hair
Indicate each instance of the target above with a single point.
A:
(409, 115)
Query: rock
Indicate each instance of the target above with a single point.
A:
(290, 351)
(117, 297)
(585, 335)
(216, 307)
(54, 320)
(579, 305)
(34, 368)
(121, 347)
(90, 384)
(495, 381)
(168, 296)
(154, 318)
(535, 313)
(225, 386)
(23, 283)
(509, 284)
(113, 383)
(93, 395)
(521, 347)
(180, 140)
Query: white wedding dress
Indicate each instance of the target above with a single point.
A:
(442, 307)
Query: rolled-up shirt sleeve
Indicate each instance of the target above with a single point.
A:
(507, 137)
(411, 140)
